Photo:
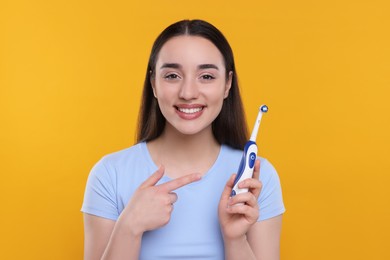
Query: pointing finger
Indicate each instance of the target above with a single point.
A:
(180, 182)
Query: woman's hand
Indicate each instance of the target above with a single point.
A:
(151, 205)
(237, 214)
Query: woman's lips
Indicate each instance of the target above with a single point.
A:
(189, 112)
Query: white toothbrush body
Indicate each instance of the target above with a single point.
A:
(247, 164)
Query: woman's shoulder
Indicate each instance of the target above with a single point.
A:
(135, 151)
(129, 163)
(125, 159)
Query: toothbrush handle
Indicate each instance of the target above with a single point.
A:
(247, 165)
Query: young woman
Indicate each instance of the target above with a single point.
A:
(168, 196)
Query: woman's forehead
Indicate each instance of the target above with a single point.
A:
(189, 49)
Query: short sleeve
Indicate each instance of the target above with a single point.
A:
(270, 199)
(100, 192)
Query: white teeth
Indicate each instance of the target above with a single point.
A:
(190, 110)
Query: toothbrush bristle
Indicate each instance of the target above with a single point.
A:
(264, 108)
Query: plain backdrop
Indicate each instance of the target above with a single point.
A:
(71, 74)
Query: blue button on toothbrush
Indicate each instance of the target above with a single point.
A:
(245, 170)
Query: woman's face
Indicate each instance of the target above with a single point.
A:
(190, 83)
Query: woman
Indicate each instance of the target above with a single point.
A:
(191, 125)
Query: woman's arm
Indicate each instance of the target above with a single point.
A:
(97, 232)
(105, 239)
(264, 238)
(149, 208)
(262, 242)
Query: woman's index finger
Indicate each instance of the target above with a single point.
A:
(180, 182)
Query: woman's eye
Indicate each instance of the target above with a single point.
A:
(171, 76)
(207, 77)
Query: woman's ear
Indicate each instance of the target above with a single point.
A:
(228, 84)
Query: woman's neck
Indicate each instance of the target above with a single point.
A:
(184, 154)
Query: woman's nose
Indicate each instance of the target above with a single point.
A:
(188, 90)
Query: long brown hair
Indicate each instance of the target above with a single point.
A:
(230, 125)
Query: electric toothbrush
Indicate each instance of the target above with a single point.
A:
(247, 164)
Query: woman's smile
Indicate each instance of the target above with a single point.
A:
(189, 112)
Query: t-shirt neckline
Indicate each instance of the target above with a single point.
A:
(167, 178)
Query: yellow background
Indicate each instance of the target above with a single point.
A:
(70, 81)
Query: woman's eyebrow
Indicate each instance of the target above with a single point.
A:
(171, 65)
(208, 66)
(178, 66)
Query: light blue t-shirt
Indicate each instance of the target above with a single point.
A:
(193, 231)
